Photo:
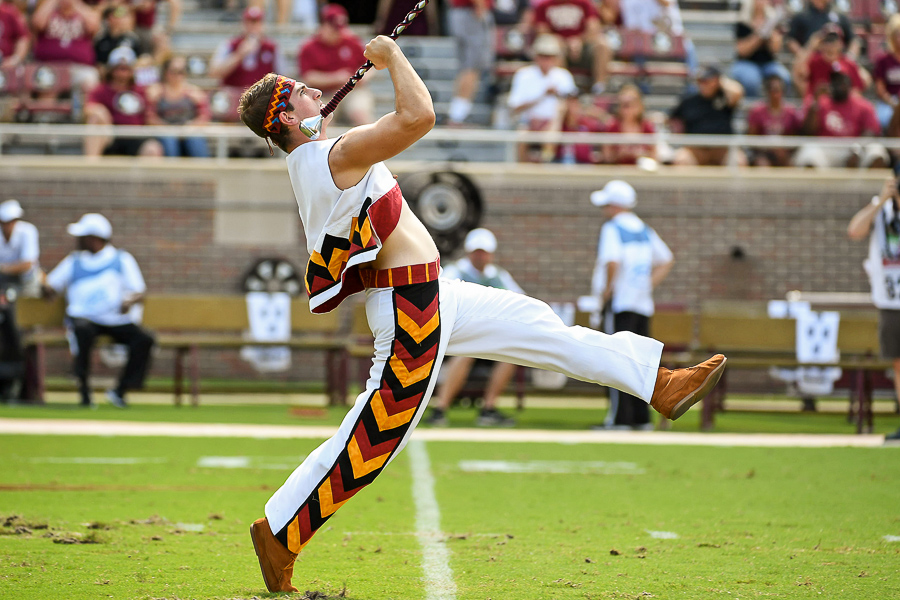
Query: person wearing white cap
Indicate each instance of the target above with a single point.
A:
(119, 100)
(631, 261)
(19, 253)
(103, 287)
(476, 267)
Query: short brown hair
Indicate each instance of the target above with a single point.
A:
(253, 106)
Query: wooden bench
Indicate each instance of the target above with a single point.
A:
(187, 324)
(755, 341)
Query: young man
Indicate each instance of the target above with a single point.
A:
(362, 235)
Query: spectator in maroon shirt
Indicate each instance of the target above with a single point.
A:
(773, 116)
(577, 22)
(576, 118)
(14, 38)
(815, 73)
(629, 118)
(887, 73)
(242, 61)
(329, 58)
(838, 112)
(119, 101)
(65, 31)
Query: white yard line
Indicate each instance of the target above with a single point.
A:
(223, 430)
(439, 584)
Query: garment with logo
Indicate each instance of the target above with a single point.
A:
(344, 228)
(887, 71)
(854, 117)
(107, 43)
(820, 71)
(12, 28)
(492, 276)
(636, 248)
(317, 55)
(565, 18)
(96, 284)
(267, 59)
(705, 115)
(883, 262)
(65, 39)
(762, 120)
(127, 107)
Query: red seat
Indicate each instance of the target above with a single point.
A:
(45, 78)
(47, 98)
(510, 43)
(10, 80)
(650, 46)
(223, 104)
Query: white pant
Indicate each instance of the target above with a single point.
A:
(475, 321)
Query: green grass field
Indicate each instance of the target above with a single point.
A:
(134, 517)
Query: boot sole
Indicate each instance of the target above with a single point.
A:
(260, 559)
(700, 393)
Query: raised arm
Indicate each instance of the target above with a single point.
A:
(861, 223)
(412, 118)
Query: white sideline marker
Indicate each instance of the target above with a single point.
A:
(439, 584)
(662, 535)
(892, 538)
(97, 460)
(550, 466)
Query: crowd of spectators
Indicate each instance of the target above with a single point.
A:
(551, 65)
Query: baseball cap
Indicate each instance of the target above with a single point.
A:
(481, 239)
(121, 55)
(10, 211)
(91, 224)
(616, 193)
(253, 13)
(335, 15)
(709, 72)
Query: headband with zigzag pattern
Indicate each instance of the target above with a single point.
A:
(278, 103)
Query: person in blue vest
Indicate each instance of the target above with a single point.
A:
(632, 261)
(104, 288)
(476, 267)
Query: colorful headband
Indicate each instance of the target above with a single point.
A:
(278, 103)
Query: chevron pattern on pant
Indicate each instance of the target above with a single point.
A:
(386, 417)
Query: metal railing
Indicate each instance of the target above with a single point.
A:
(222, 135)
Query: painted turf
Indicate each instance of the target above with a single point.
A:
(223, 430)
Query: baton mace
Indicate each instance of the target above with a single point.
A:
(312, 126)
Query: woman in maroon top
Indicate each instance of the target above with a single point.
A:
(629, 118)
(64, 33)
(119, 101)
(887, 73)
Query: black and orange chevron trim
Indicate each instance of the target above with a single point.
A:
(278, 103)
(386, 417)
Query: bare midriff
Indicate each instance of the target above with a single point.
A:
(409, 243)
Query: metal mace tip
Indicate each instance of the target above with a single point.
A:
(312, 126)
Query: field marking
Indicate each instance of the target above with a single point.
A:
(550, 466)
(244, 462)
(662, 535)
(439, 584)
(892, 538)
(96, 460)
(225, 430)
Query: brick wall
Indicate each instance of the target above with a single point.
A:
(752, 235)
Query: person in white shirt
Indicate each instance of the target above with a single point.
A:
(880, 220)
(631, 261)
(476, 267)
(19, 253)
(538, 91)
(103, 287)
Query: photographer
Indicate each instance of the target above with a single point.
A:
(880, 220)
(19, 252)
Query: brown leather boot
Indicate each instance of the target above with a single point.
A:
(275, 561)
(676, 391)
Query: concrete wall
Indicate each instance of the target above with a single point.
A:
(198, 226)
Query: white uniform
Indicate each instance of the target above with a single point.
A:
(22, 246)
(627, 240)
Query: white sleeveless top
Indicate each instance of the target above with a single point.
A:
(883, 263)
(344, 228)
